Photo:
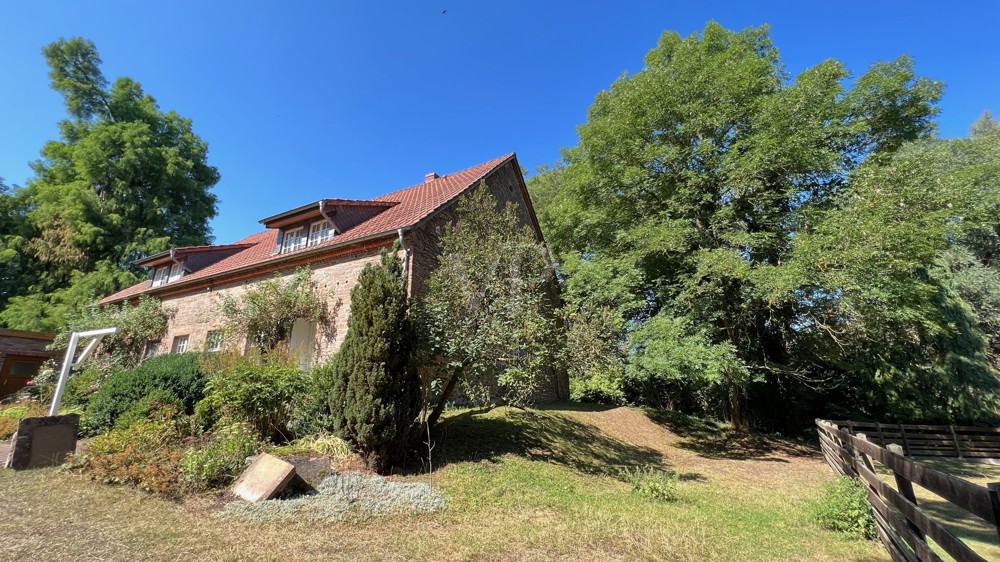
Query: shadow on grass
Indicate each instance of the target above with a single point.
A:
(538, 435)
(713, 440)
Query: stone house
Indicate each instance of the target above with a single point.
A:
(335, 238)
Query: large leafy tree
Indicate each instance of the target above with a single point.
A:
(711, 200)
(125, 180)
(488, 318)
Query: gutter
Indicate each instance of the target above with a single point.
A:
(406, 261)
(322, 211)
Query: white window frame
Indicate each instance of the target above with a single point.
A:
(180, 344)
(213, 340)
(319, 232)
(160, 276)
(176, 272)
(294, 239)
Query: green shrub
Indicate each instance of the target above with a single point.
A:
(146, 454)
(375, 384)
(259, 391)
(177, 373)
(651, 483)
(601, 385)
(844, 508)
(158, 404)
(311, 413)
(220, 457)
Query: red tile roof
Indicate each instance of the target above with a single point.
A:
(415, 203)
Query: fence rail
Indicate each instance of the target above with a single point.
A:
(963, 442)
(903, 526)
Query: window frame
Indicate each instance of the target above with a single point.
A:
(179, 270)
(180, 344)
(325, 227)
(213, 337)
(289, 235)
(161, 275)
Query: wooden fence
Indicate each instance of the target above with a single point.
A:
(903, 526)
(963, 442)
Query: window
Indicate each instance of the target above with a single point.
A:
(213, 341)
(176, 272)
(319, 232)
(160, 277)
(180, 344)
(294, 240)
(152, 348)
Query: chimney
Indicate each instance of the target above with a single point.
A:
(430, 177)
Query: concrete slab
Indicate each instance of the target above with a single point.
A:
(43, 441)
(265, 478)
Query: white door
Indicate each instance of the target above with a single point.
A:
(302, 344)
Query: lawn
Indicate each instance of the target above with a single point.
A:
(520, 484)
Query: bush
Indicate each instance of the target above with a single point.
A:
(158, 404)
(375, 384)
(311, 413)
(256, 390)
(601, 385)
(12, 414)
(220, 458)
(844, 508)
(178, 374)
(651, 483)
(146, 454)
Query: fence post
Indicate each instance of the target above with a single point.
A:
(958, 448)
(905, 488)
(994, 488)
(881, 436)
(906, 444)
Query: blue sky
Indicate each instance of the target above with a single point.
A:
(303, 100)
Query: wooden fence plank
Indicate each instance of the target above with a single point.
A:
(974, 499)
(949, 542)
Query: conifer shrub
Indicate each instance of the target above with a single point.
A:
(158, 404)
(376, 389)
(178, 374)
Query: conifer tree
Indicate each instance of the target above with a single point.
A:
(375, 397)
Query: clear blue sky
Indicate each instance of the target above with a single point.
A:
(303, 100)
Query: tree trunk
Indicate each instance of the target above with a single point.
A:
(448, 389)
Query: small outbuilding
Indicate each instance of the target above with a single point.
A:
(21, 356)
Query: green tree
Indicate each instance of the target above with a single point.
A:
(489, 315)
(376, 388)
(124, 181)
(696, 184)
(138, 325)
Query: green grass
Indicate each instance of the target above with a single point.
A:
(521, 485)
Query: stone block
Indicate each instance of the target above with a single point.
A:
(265, 478)
(43, 441)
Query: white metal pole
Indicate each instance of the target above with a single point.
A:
(64, 373)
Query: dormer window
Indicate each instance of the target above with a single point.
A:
(319, 232)
(176, 272)
(160, 276)
(295, 239)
